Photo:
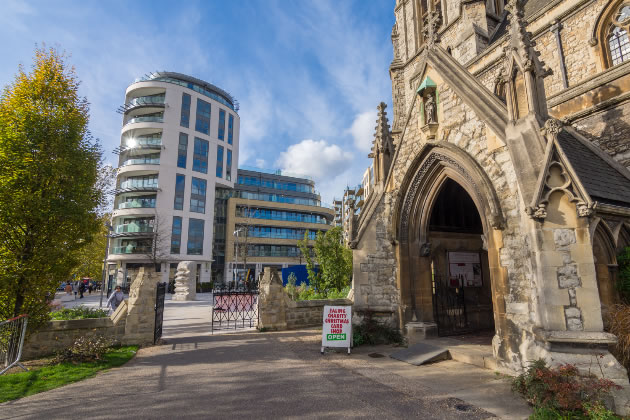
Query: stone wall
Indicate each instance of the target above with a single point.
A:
(59, 335)
(276, 311)
(309, 313)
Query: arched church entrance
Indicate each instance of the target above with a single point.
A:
(460, 274)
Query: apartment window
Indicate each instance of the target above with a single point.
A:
(185, 118)
(180, 183)
(200, 156)
(219, 162)
(176, 235)
(202, 123)
(230, 128)
(182, 150)
(195, 237)
(221, 134)
(198, 195)
(228, 166)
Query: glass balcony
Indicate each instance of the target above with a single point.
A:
(146, 118)
(147, 100)
(145, 160)
(130, 249)
(139, 184)
(134, 228)
(137, 204)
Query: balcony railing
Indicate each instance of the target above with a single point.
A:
(142, 204)
(134, 228)
(142, 101)
(141, 161)
(130, 249)
(141, 118)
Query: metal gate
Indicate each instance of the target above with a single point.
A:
(234, 308)
(12, 333)
(159, 311)
(449, 306)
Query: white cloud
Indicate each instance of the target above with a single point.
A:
(261, 163)
(318, 159)
(362, 130)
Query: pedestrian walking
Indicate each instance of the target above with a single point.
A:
(90, 288)
(81, 290)
(116, 298)
(68, 288)
(75, 288)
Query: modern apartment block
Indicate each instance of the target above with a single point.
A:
(267, 213)
(179, 142)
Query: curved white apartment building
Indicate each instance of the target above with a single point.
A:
(179, 140)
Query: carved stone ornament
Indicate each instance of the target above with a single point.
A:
(557, 178)
(585, 210)
(552, 127)
(431, 28)
(538, 213)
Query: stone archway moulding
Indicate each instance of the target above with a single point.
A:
(455, 160)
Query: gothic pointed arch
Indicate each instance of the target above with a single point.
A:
(433, 166)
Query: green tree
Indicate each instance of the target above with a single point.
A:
(49, 192)
(305, 249)
(90, 257)
(335, 260)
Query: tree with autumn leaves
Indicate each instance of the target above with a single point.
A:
(49, 184)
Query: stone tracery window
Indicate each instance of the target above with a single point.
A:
(616, 37)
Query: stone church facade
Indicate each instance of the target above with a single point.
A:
(502, 190)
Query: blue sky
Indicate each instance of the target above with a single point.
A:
(308, 74)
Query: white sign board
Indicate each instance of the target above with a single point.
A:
(337, 329)
(464, 269)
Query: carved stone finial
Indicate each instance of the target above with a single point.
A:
(431, 28)
(382, 137)
(552, 127)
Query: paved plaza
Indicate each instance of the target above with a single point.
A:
(247, 374)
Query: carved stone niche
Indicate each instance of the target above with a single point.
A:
(428, 107)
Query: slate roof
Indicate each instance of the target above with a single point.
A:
(603, 182)
(530, 8)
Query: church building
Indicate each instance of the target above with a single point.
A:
(501, 194)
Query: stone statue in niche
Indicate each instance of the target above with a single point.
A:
(430, 108)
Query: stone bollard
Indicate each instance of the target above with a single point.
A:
(140, 323)
(272, 304)
(185, 284)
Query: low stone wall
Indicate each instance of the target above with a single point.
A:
(278, 312)
(309, 313)
(58, 335)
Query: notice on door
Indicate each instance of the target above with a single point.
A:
(464, 269)
(337, 327)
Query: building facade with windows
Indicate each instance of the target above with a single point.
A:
(266, 215)
(179, 143)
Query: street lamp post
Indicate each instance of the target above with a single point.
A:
(236, 232)
(104, 276)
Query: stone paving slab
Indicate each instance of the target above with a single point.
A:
(247, 374)
(421, 353)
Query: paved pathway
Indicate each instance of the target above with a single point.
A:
(248, 374)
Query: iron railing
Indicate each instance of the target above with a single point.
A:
(12, 332)
(234, 308)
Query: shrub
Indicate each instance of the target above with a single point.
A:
(562, 391)
(623, 276)
(85, 349)
(371, 332)
(304, 292)
(78, 312)
(205, 287)
(619, 324)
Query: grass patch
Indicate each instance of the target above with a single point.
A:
(78, 312)
(23, 384)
